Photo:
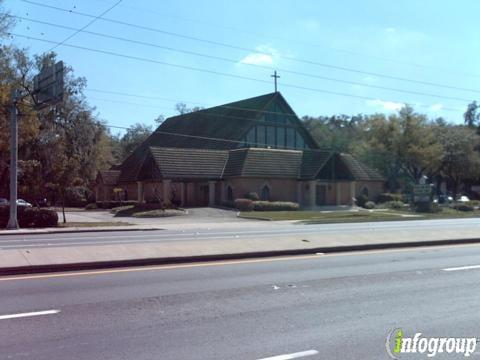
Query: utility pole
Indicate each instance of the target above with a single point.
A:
(275, 76)
(12, 221)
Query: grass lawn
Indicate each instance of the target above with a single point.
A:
(318, 217)
(92, 224)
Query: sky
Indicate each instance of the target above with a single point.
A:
(333, 57)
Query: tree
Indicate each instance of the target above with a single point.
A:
(182, 108)
(471, 116)
(461, 160)
(133, 137)
(417, 148)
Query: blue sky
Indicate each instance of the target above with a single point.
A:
(429, 41)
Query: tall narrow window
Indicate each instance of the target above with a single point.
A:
(261, 136)
(265, 193)
(290, 138)
(281, 137)
(229, 193)
(299, 139)
(271, 136)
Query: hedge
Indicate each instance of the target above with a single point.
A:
(387, 197)
(394, 204)
(463, 207)
(243, 204)
(369, 205)
(275, 206)
(30, 217)
(252, 196)
(362, 200)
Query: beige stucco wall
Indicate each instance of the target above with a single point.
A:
(280, 189)
(375, 188)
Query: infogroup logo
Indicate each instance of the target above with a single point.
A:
(398, 344)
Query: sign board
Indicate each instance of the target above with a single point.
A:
(421, 192)
(48, 85)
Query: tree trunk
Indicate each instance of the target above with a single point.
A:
(63, 209)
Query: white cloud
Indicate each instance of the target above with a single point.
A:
(264, 56)
(385, 105)
(436, 107)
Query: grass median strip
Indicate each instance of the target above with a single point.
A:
(320, 217)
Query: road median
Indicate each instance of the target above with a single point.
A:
(68, 258)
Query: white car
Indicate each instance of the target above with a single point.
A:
(21, 202)
(463, 198)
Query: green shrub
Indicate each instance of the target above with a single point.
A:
(427, 207)
(463, 207)
(30, 217)
(46, 218)
(369, 205)
(387, 197)
(243, 204)
(473, 203)
(396, 204)
(252, 196)
(91, 206)
(275, 206)
(361, 200)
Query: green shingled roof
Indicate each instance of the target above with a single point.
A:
(260, 162)
(359, 170)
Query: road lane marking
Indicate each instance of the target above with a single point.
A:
(29, 314)
(471, 267)
(292, 356)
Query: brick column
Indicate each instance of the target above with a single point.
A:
(167, 191)
(182, 194)
(312, 193)
(211, 193)
(353, 185)
(299, 192)
(337, 193)
(140, 192)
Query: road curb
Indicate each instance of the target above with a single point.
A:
(231, 256)
(73, 231)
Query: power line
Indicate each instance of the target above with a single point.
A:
(211, 42)
(256, 35)
(192, 68)
(84, 27)
(168, 48)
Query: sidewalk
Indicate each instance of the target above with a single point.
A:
(44, 259)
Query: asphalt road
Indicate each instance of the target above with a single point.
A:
(263, 229)
(317, 307)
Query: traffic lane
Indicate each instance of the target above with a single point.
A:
(17, 292)
(341, 317)
(269, 229)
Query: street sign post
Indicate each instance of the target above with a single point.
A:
(48, 85)
(422, 192)
(47, 90)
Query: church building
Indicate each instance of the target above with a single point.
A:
(213, 156)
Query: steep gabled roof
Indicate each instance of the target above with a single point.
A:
(109, 177)
(313, 162)
(260, 162)
(227, 122)
(359, 170)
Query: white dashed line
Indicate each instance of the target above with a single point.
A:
(471, 267)
(28, 314)
(292, 356)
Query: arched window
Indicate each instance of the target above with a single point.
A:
(365, 191)
(229, 193)
(265, 193)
